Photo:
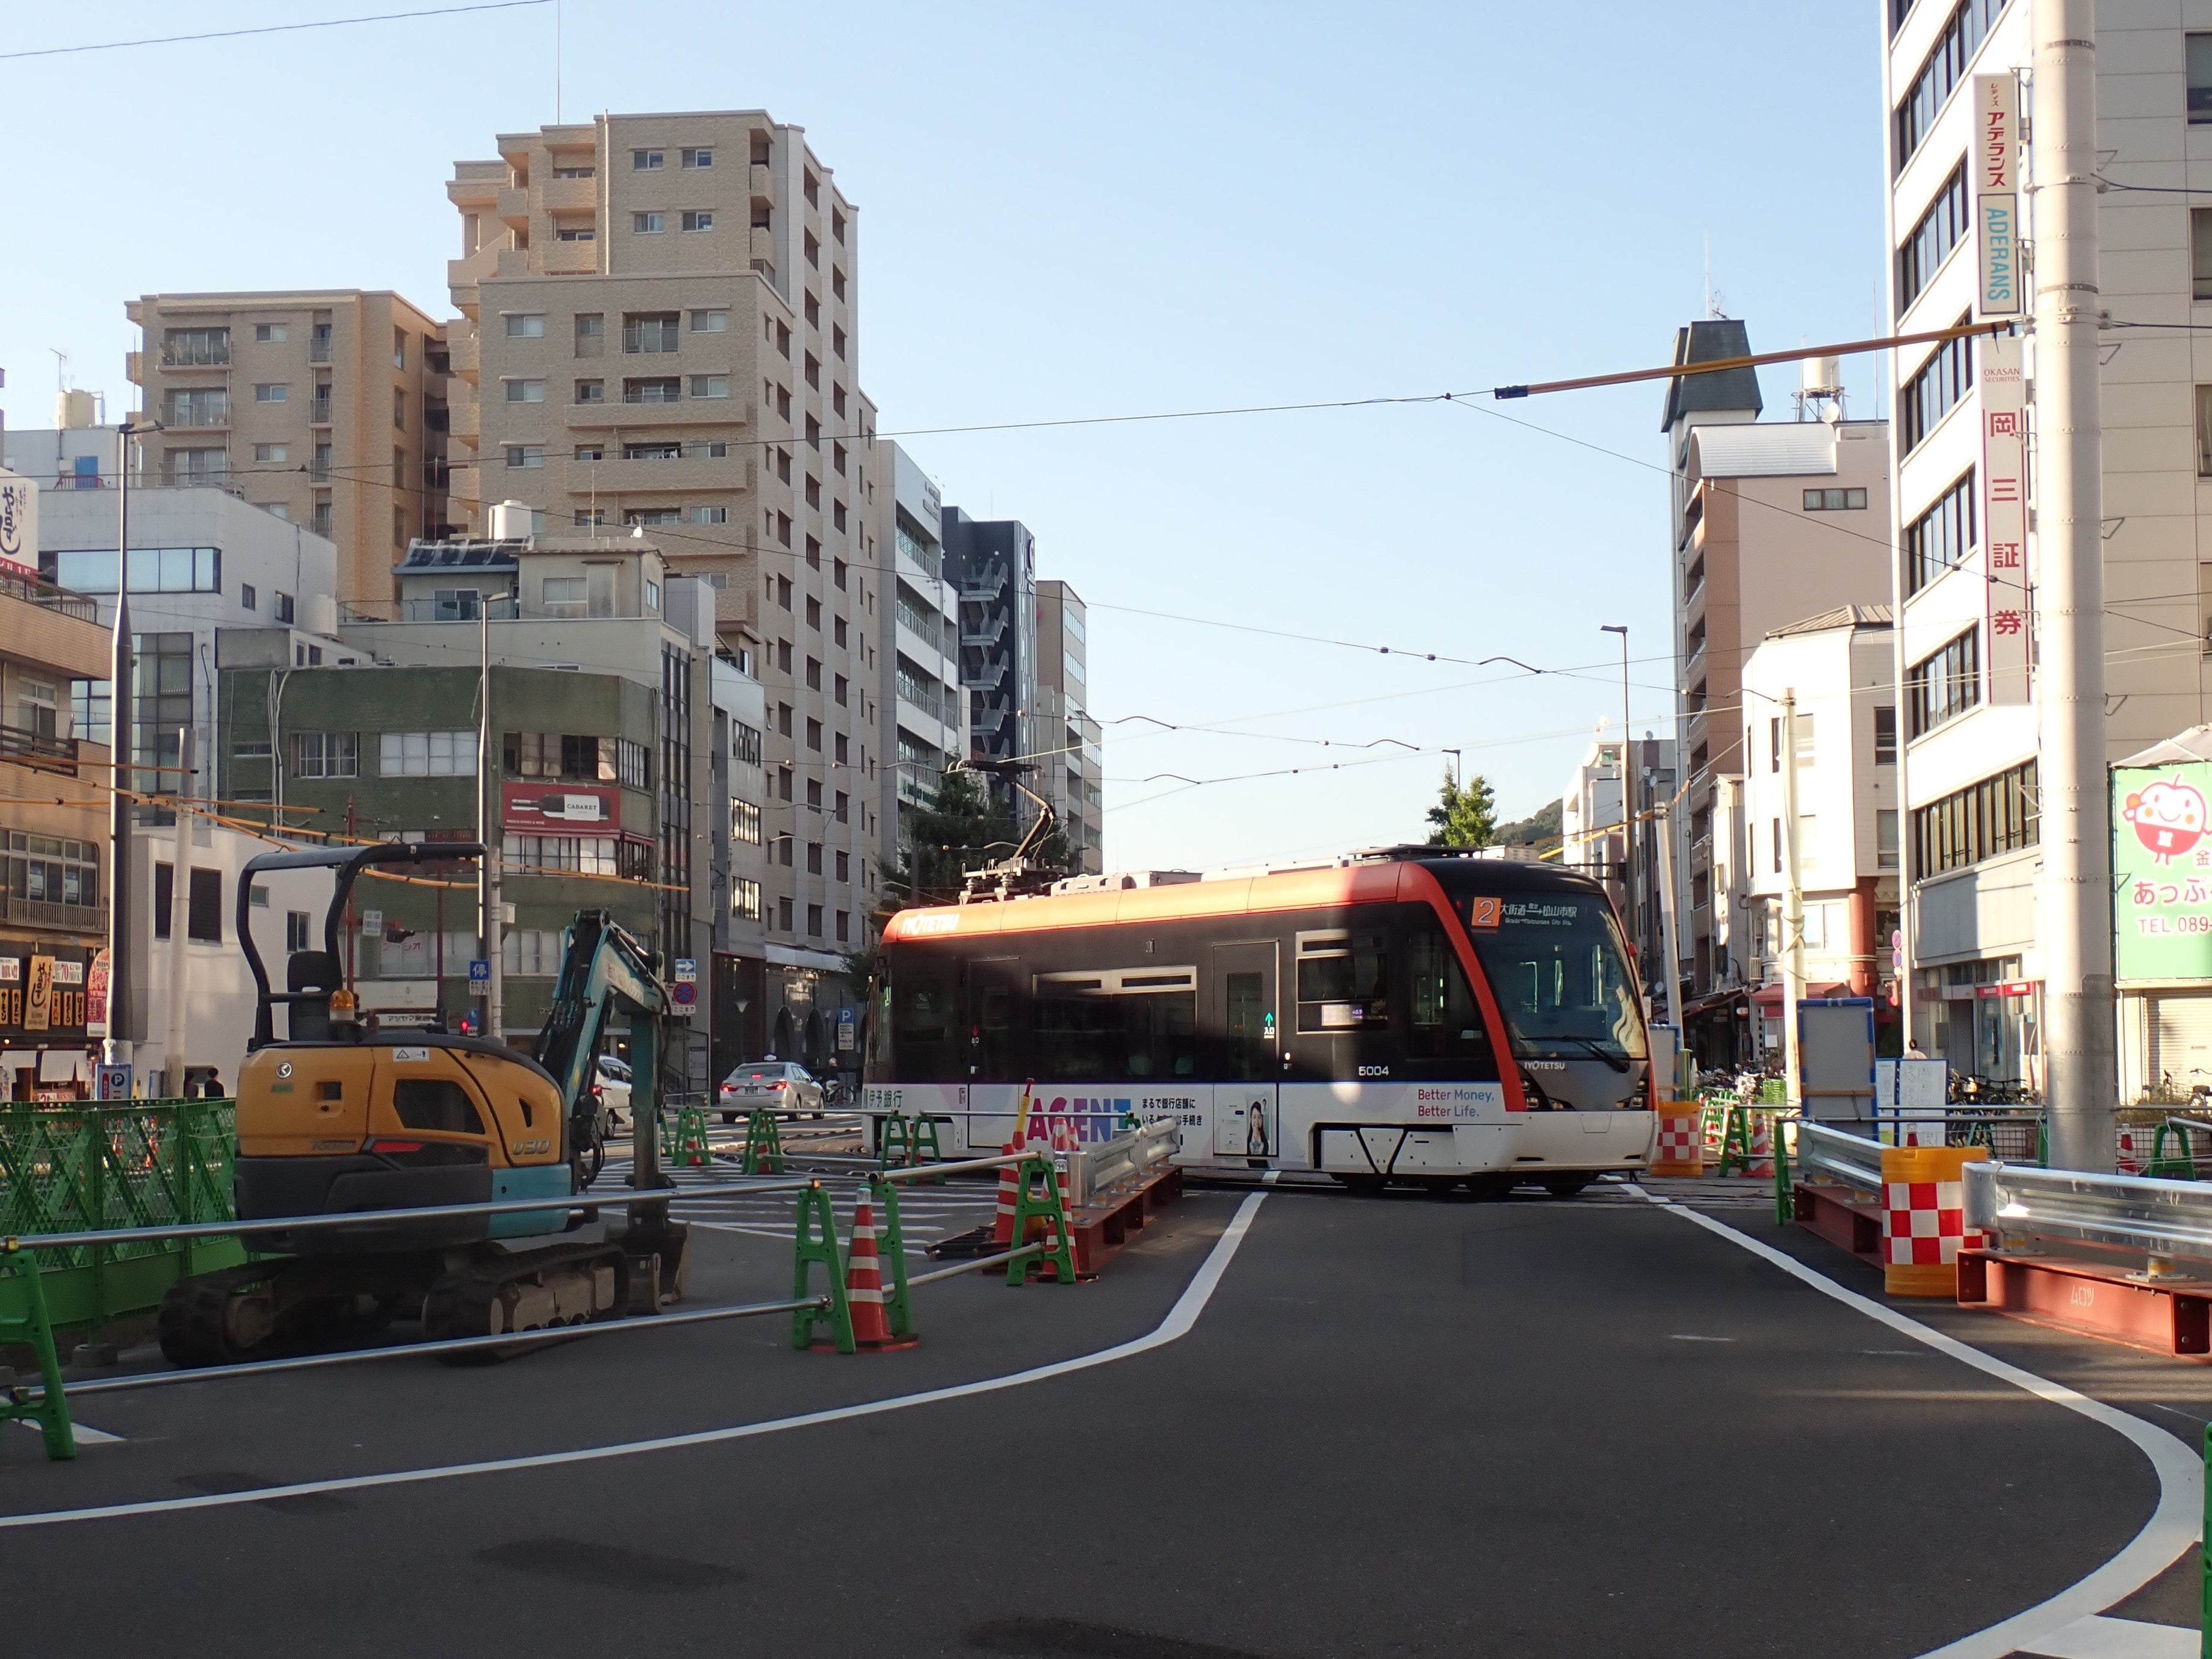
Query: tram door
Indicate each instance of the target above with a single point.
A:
(1248, 1016)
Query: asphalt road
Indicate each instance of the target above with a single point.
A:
(1399, 1426)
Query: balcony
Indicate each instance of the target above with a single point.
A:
(512, 207)
(464, 356)
(466, 421)
(318, 411)
(134, 367)
(571, 258)
(90, 920)
(642, 417)
(196, 354)
(650, 339)
(570, 195)
(25, 747)
(762, 246)
(318, 349)
(621, 477)
(763, 185)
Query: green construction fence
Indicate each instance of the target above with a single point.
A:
(89, 1165)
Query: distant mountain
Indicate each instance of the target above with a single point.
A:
(1542, 825)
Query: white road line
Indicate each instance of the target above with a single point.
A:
(2174, 1526)
(2099, 1637)
(84, 1434)
(1179, 1323)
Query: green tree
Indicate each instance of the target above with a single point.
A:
(964, 827)
(1464, 817)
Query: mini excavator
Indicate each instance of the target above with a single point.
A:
(339, 1117)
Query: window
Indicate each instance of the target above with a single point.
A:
(837, 342)
(525, 325)
(1343, 982)
(1932, 239)
(811, 188)
(710, 385)
(53, 871)
(814, 921)
(296, 934)
(814, 739)
(783, 913)
(837, 226)
(1443, 1022)
(837, 281)
(649, 224)
(1133, 1024)
(271, 451)
(814, 615)
(1944, 684)
(1943, 379)
(814, 858)
(813, 674)
(812, 366)
(2205, 432)
(325, 754)
(843, 802)
(2199, 50)
(1884, 735)
(274, 392)
(576, 234)
(2200, 253)
(246, 596)
(659, 450)
(698, 219)
(1774, 838)
(839, 691)
(660, 390)
(204, 906)
(426, 755)
(575, 855)
(814, 250)
(837, 631)
(710, 516)
(1842, 500)
(525, 392)
(745, 823)
(698, 158)
(591, 333)
(399, 349)
(1885, 838)
(285, 610)
(526, 455)
(1999, 814)
(269, 333)
(591, 391)
(652, 516)
(1946, 64)
(745, 899)
(1944, 535)
(716, 321)
(195, 347)
(646, 161)
(745, 744)
(204, 406)
(844, 859)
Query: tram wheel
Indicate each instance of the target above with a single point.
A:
(1567, 1186)
(1490, 1187)
(1439, 1186)
(1366, 1186)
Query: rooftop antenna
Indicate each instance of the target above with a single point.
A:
(556, 63)
(61, 368)
(1716, 302)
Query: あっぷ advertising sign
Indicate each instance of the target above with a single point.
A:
(2162, 871)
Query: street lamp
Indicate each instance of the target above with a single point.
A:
(1627, 806)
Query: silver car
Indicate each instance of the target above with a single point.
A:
(782, 1086)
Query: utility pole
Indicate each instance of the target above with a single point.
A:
(116, 1048)
(1627, 797)
(1792, 901)
(488, 884)
(2078, 1035)
(1663, 827)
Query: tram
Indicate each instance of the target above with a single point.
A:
(1406, 1015)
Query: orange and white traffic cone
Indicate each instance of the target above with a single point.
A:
(1002, 1229)
(864, 1285)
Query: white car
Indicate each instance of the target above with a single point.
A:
(612, 1082)
(780, 1086)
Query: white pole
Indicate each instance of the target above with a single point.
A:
(180, 873)
(1793, 902)
(2078, 1040)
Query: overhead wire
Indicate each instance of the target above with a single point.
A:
(271, 28)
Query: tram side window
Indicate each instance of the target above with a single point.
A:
(1444, 1021)
(1138, 1026)
(1344, 982)
(991, 1037)
(921, 1020)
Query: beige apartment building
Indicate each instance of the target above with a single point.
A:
(325, 406)
(658, 327)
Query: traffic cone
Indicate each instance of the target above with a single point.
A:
(1002, 1229)
(864, 1285)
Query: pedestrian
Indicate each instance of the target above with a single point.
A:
(212, 1089)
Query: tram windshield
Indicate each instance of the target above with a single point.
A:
(1556, 964)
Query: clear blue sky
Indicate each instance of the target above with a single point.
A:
(1084, 211)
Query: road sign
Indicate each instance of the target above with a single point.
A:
(847, 1031)
(479, 976)
(372, 921)
(684, 985)
(110, 1083)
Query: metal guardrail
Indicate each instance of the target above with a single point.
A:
(1847, 1158)
(2120, 1212)
(1127, 1157)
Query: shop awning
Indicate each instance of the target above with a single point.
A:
(1767, 999)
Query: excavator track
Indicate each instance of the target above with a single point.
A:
(539, 1291)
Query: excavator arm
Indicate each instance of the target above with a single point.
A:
(606, 968)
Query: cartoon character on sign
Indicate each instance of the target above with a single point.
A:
(2168, 817)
